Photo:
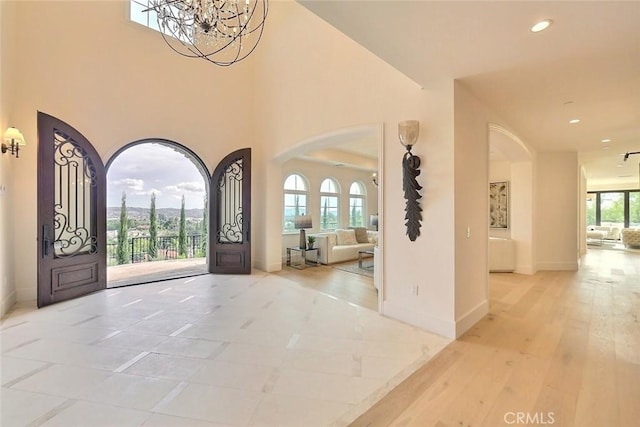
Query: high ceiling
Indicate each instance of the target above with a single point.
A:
(586, 65)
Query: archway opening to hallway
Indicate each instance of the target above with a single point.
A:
(157, 213)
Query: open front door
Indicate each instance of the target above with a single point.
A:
(71, 214)
(230, 215)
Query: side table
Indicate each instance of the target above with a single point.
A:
(303, 256)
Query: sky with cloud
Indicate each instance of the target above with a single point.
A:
(150, 168)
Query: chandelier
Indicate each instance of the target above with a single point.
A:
(219, 31)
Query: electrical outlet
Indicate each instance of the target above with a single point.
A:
(415, 290)
(468, 232)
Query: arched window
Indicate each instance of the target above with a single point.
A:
(356, 204)
(295, 200)
(329, 198)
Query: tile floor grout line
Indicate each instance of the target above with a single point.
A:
(132, 302)
(111, 335)
(52, 413)
(131, 362)
(6, 351)
(85, 321)
(171, 395)
(13, 326)
(28, 374)
(181, 330)
(153, 315)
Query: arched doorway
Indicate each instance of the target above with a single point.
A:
(72, 249)
(357, 148)
(162, 189)
(512, 162)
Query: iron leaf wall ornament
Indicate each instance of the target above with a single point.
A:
(408, 132)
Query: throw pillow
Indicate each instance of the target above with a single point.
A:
(361, 234)
(346, 237)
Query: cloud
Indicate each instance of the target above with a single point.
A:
(193, 187)
(130, 184)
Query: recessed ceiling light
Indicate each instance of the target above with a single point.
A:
(606, 140)
(619, 165)
(540, 26)
(574, 121)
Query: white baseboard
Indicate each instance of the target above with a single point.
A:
(26, 294)
(558, 266)
(269, 268)
(465, 322)
(420, 319)
(7, 303)
(525, 269)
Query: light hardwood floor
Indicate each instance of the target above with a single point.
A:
(354, 288)
(557, 348)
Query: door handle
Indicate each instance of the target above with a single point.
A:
(46, 240)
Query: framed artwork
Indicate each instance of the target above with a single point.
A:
(499, 204)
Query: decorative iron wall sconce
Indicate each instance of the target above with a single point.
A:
(14, 136)
(408, 132)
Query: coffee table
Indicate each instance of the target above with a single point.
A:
(361, 256)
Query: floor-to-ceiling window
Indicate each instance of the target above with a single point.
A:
(619, 209)
(634, 209)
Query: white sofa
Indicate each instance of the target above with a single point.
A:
(332, 252)
(608, 232)
(631, 237)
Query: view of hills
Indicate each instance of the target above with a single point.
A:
(113, 212)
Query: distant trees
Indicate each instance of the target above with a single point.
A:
(204, 226)
(153, 228)
(122, 251)
(182, 232)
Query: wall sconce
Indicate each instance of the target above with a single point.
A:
(301, 222)
(408, 132)
(374, 179)
(12, 134)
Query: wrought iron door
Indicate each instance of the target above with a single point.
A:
(71, 214)
(230, 218)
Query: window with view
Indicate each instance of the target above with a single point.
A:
(591, 208)
(295, 200)
(619, 209)
(137, 13)
(356, 205)
(634, 209)
(329, 197)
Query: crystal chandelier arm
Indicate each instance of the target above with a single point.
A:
(219, 31)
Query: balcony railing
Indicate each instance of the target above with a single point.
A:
(166, 249)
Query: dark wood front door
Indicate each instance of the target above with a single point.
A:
(230, 219)
(71, 214)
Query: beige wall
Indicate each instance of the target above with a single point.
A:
(557, 211)
(7, 162)
(471, 208)
(117, 82)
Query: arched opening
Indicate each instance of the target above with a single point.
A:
(512, 247)
(157, 213)
(330, 164)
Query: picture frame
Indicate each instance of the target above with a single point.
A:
(499, 204)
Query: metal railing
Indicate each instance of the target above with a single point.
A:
(166, 249)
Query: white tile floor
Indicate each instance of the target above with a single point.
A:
(255, 350)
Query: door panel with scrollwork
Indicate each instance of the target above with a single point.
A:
(230, 218)
(71, 213)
